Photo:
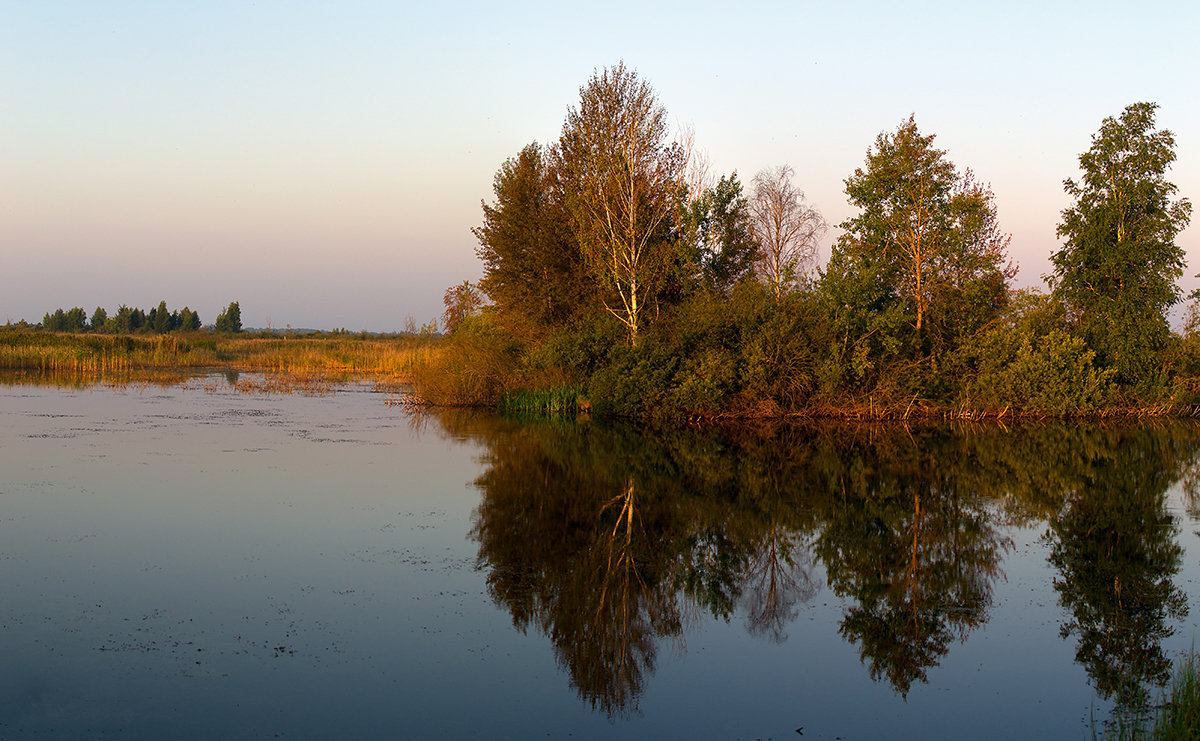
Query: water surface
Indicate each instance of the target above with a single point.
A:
(195, 562)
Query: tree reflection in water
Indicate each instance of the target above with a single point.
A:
(1115, 546)
(609, 539)
(916, 550)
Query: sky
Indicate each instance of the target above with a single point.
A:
(323, 164)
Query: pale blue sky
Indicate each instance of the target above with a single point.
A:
(323, 163)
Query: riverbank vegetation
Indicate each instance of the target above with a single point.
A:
(1176, 718)
(386, 359)
(619, 271)
(623, 278)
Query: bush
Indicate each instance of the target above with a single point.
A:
(1053, 373)
(473, 366)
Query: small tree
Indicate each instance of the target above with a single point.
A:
(1119, 263)
(786, 229)
(99, 319)
(719, 228)
(461, 301)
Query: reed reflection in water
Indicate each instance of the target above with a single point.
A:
(611, 540)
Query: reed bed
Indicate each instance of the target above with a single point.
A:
(389, 361)
(394, 358)
(97, 354)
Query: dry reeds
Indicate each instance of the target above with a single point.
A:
(389, 360)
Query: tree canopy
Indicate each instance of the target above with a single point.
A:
(1119, 264)
(622, 183)
(923, 263)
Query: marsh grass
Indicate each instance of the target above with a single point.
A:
(1176, 718)
(556, 400)
(307, 362)
(97, 354)
(85, 379)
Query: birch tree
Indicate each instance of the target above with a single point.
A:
(786, 229)
(925, 231)
(622, 182)
(1119, 264)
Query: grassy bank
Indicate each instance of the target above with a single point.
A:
(667, 378)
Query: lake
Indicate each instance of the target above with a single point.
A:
(213, 560)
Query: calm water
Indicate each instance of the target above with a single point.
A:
(196, 562)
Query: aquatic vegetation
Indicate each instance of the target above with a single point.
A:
(1176, 718)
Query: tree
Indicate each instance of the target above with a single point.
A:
(926, 240)
(189, 321)
(99, 319)
(461, 301)
(533, 269)
(721, 236)
(1119, 263)
(54, 322)
(622, 184)
(161, 323)
(785, 228)
(122, 321)
(229, 320)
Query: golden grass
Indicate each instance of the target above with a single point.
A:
(389, 360)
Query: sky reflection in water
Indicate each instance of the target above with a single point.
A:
(200, 563)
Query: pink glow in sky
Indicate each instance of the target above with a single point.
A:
(323, 163)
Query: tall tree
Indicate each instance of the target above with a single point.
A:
(533, 269)
(99, 319)
(785, 228)
(189, 321)
(926, 236)
(1119, 263)
(161, 323)
(622, 182)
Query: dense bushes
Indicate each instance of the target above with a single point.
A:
(747, 355)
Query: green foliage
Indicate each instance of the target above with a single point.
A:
(229, 320)
(635, 383)
(160, 319)
(189, 321)
(581, 348)
(556, 400)
(621, 183)
(99, 319)
(74, 320)
(533, 269)
(1119, 263)
(926, 241)
(717, 235)
(1027, 363)
(1050, 374)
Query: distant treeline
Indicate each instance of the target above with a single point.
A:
(618, 272)
(132, 320)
